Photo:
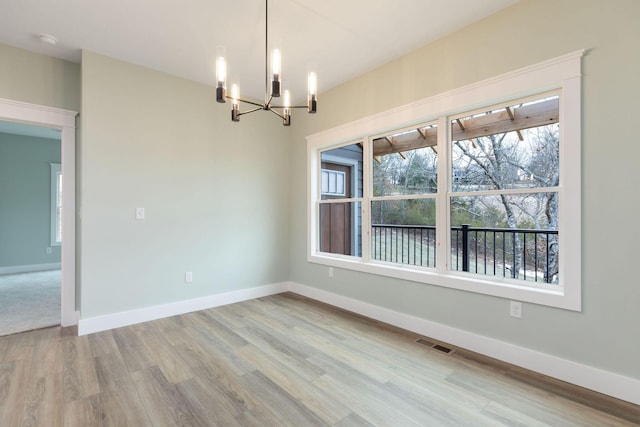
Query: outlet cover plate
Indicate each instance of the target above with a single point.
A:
(515, 309)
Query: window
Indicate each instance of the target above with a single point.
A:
(404, 184)
(339, 210)
(483, 199)
(56, 204)
(505, 169)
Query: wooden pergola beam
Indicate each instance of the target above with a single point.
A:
(512, 117)
(527, 117)
(391, 141)
(426, 138)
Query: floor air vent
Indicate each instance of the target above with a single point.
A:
(434, 346)
(442, 348)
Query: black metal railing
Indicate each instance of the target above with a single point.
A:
(404, 244)
(525, 254)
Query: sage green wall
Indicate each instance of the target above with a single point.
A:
(216, 193)
(39, 79)
(604, 334)
(25, 200)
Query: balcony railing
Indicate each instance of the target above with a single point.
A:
(524, 254)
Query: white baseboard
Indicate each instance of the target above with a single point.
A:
(599, 380)
(15, 269)
(125, 318)
(72, 320)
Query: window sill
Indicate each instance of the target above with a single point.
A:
(547, 295)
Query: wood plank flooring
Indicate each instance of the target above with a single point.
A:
(282, 360)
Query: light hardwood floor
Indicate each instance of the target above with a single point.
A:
(282, 360)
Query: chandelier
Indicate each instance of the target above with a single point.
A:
(283, 111)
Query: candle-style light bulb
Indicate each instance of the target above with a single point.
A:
(235, 96)
(312, 92)
(287, 109)
(235, 93)
(221, 70)
(276, 63)
(221, 76)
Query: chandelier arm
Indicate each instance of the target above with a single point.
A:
(276, 113)
(247, 102)
(249, 111)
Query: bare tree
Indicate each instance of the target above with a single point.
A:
(496, 160)
(502, 162)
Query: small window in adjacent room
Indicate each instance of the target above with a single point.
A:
(56, 204)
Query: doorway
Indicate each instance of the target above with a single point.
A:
(63, 122)
(30, 227)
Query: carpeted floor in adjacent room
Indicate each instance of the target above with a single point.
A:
(29, 301)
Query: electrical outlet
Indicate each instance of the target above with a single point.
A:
(515, 309)
(188, 277)
(49, 250)
(330, 271)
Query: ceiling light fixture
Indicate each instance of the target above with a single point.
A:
(276, 78)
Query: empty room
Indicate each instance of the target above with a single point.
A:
(296, 213)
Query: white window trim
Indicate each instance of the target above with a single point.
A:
(563, 74)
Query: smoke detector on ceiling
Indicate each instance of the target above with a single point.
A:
(47, 39)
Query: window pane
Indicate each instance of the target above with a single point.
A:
(342, 172)
(325, 182)
(406, 163)
(340, 228)
(333, 182)
(403, 231)
(514, 236)
(507, 148)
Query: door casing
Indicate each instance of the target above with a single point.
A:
(65, 121)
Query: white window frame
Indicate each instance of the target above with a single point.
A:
(561, 74)
(56, 205)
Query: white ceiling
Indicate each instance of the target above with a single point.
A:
(339, 38)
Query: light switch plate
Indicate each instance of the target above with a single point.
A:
(139, 213)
